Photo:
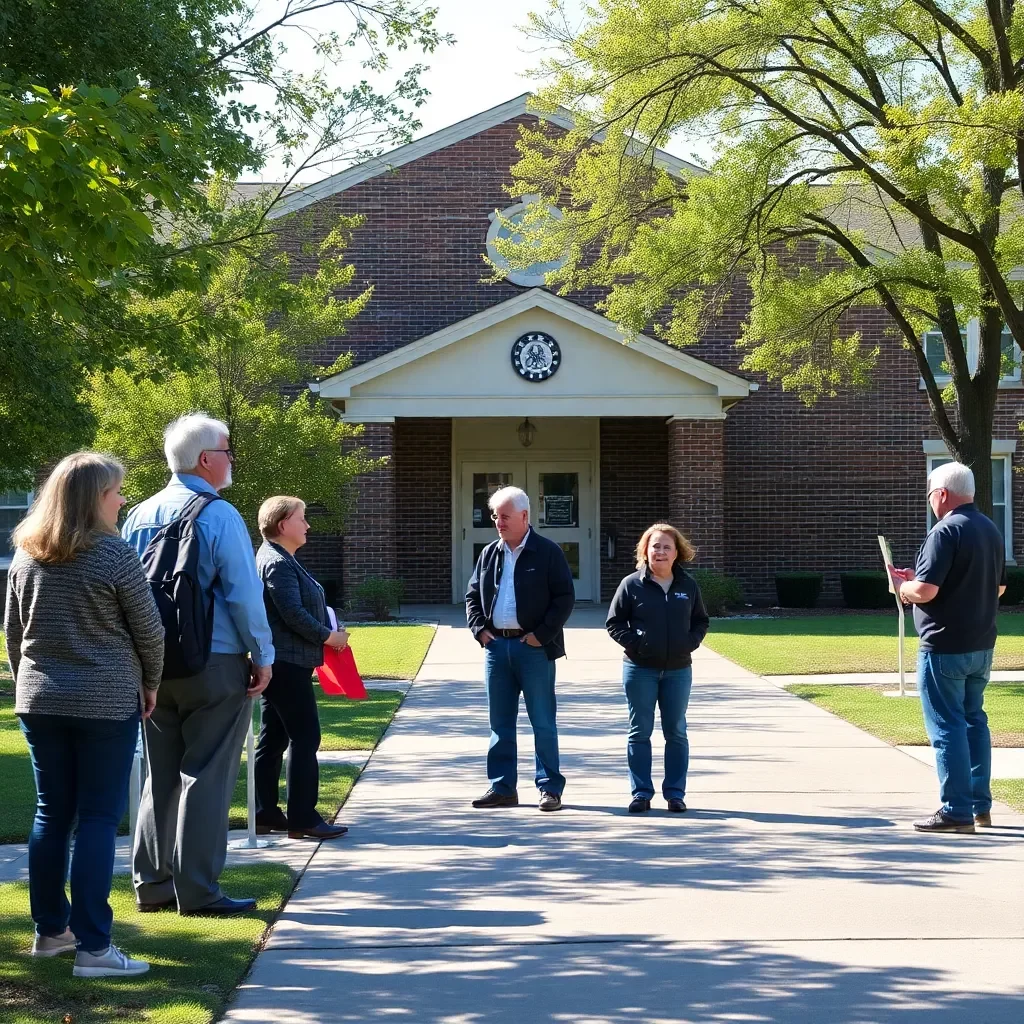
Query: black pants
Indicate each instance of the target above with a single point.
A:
(290, 716)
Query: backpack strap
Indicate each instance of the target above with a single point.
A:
(193, 508)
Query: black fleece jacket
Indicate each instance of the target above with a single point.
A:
(658, 630)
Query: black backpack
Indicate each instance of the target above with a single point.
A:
(171, 562)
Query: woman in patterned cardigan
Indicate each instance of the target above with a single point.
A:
(86, 647)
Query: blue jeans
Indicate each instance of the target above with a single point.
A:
(512, 667)
(952, 688)
(670, 690)
(82, 767)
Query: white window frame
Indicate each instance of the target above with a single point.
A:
(973, 332)
(6, 556)
(1003, 450)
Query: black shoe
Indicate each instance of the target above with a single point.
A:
(940, 822)
(494, 799)
(676, 806)
(152, 908)
(319, 832)
(639, 805)
(271, 823)
(550, 802)
(224, 907)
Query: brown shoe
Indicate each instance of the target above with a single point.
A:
(492, 798)
(550, 802)
(984, 819)
(320, 832)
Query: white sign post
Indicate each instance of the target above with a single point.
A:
(901, 616)
(251, 842)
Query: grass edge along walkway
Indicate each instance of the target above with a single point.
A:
(181, 987)
(1009, 791)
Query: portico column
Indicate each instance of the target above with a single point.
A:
(369, 543)
(696, 486)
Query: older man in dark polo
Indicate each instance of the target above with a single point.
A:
(955, 589)
(520, 596)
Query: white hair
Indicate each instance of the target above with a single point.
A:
(189, 436)
(515, 496)
(954, 477)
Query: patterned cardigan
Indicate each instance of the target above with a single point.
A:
(296, 608)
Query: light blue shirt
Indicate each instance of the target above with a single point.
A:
(227, 565)
(505, 611)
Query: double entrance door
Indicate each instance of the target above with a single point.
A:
(561, 509)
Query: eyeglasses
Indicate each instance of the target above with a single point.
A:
(495, 518)
(932, 491)
(229, 452)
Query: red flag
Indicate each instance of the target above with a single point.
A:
(338, 674)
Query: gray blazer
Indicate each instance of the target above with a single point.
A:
(296, 608)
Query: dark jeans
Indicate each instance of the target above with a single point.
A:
(669, 689)
(289, 714)
(952, 688)
(82, 767)
(512, 667)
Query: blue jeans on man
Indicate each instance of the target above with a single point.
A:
(952, 688)
(669, 689)
(512, 667)
(82, 767)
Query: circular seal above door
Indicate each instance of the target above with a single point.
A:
(536, 356)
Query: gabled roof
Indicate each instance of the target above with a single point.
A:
(440, 140)
(340, 385)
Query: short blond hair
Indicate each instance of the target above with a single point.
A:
(274, 511)
(65, 518)
(685, 551)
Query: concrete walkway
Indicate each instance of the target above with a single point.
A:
(794, 890)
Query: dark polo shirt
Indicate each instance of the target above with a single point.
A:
(963, 556)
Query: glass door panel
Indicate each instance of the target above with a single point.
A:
(562, 512)
(479, 482)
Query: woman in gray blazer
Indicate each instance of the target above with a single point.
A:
(86, 646)
(297, 612)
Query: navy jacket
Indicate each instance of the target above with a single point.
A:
(544, 591)
(658, 630)
(296, 609)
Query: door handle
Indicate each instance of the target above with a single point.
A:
(590, 533)
(463, 533)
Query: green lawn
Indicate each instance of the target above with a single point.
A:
(390, 652)
(5, 668)
(837, 643)
(196, 962)
(356, 724)
(336, 782)
(1010, 791)
(898, 720)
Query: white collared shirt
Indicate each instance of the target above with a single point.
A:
(505, 603)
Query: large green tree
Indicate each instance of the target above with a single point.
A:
(861, 153)
(114, 116)
(250, 329)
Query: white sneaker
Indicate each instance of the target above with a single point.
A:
(111, 963)
(54, 945)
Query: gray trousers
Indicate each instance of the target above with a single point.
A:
(194, 746)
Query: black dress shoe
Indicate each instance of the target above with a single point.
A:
(224, 907)
(319, 832)
(492, 798)
(152, 908)
(639, 805)
(676, 805)
(272, 823)
(940, 822)
(550, 801)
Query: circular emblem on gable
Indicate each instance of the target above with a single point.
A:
(536, 356)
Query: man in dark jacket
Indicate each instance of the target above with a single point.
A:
(520, 596)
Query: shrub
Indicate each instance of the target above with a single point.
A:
(867, 588)
(720, 592)
(798, 589)
(1014, 587)
(378, 595)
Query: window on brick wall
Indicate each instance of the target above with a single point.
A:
(13, 506)
(935, 352)
(1002, 496)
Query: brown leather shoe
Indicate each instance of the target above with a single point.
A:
(550, 802)
(492, 798)
(320, 832)
(984, 819)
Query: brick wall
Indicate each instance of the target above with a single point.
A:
(369, 543)
(634, 490)
(423, 524)
(696, 487)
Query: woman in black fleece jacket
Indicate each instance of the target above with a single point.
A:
(658, 617)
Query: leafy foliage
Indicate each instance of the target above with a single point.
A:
(720, 592)
(864, 154)
(378, 595)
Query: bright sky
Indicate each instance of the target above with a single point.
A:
(485, 67)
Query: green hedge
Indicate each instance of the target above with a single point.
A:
(867, 588)
(798, 589)
(720, 592)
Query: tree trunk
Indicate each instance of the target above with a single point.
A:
(976, 450)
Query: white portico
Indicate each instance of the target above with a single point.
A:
(525, 385)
